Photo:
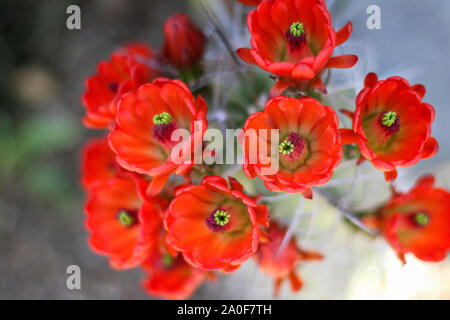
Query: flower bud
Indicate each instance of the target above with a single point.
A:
(184, 42)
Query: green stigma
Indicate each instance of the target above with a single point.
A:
(162, 118)
(389, 118)
(125, 218)
(167, 260)
(296, 29)
(422, 219)
(221, 217)
(286, 147)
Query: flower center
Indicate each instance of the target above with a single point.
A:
(389, 118)
(167, 260)
(390, 122)
(218, 220)
(163, 127)
(162, 118)
(422, 219)
(113, 86)
(296, 29)
(292, 146)
(286, 147)
(296, 35)
(126, 218)
(221, 217)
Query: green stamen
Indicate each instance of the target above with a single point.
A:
(389, 118)
(162, 118)
(125, 218)
(167, 260)
(296, 29)
(422, 219)
(221, 217)
(286, 147)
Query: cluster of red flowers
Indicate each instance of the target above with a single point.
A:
(140, 214)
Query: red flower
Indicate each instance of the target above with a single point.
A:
(418, 221)
(145, 122)
(214, 225)
(124, 226)
(125, 72)
(250, 2)
(294, 39)
(99, 162)
(184, 43)
(309, 146)
(391, 124)
(282, 264)
(171, 277)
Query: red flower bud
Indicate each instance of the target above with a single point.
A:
(184, 42)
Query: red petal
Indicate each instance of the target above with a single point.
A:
(370, 80)
(215, 182)
(390, 176)
(426, 181)
(278, 88)
(419, 89)
(295, 281)
(235, 185)
(319, 85)
(308, 194)
(262, 216)
(347, 113)
(311, 255)
(264, 237)
(430, 149)
(348, 136)
(276, 286)
(342, 62)
(382, 165)
(343, 34)
(371, 222)
(246, 55)
(157, 184)
(303, 72)
(360, 160)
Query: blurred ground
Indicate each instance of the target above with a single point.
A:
(43, 67)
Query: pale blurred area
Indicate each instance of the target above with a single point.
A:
(355, 266)
(43, 68)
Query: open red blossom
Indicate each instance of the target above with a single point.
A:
(98, 163)
(391, 124)
(215, 225)
(294, 39)
(251, 2)
(171, 277)
(184, 43)
(124, 225)
(145, 122)
(168, 275)
(282, 264)
(308, 149)
(418, 222)
(124, 72)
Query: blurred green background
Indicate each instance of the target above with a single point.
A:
(42, 71)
